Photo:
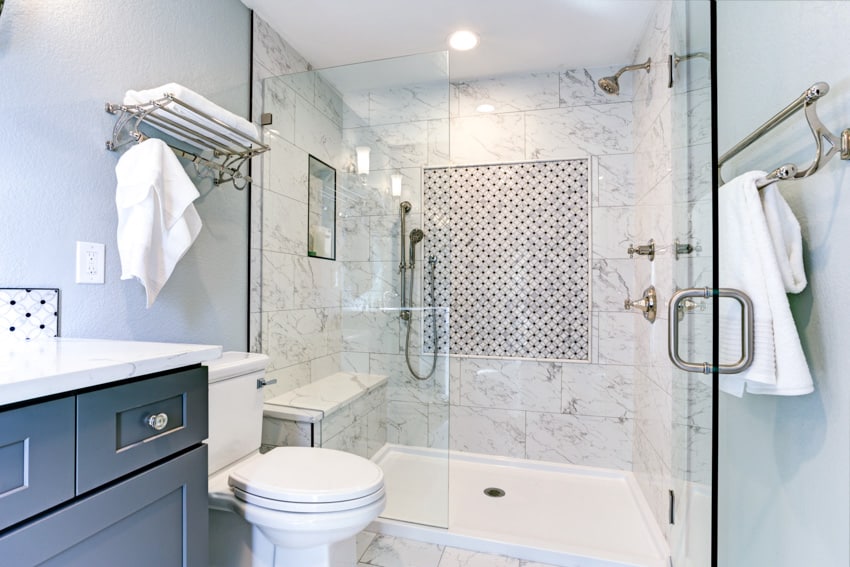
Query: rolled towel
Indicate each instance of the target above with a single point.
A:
(197, 101)
(157, 222)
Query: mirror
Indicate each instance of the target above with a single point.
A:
(321, 214)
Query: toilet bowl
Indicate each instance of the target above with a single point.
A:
(292, 506)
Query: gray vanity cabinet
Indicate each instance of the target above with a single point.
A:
(134, 490)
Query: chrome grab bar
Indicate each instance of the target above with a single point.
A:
(747, 338)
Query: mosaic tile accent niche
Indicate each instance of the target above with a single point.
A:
(28, 313)
(512, 243)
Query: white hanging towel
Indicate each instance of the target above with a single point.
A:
(157, 222)
(760, 253)
(199, 102)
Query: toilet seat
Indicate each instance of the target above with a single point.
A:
(308, 480)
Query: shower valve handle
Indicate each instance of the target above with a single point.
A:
(647, 249)
(648, 304)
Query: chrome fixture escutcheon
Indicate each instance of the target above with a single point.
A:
(647, 249)
(648, 304)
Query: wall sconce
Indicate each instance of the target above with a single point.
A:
(395, 184)
(363, 160)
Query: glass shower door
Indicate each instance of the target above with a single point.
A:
(372, 127)
(690, 505)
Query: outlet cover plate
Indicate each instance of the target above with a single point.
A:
(90, 262)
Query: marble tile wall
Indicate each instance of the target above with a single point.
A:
(295, 310)
(672, 411)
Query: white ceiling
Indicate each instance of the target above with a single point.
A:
(516, 35)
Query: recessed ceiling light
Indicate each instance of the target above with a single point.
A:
(463, 40)
(485, 108)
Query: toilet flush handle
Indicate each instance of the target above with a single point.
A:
(262, 382)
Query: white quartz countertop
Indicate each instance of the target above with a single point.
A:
(34, 369)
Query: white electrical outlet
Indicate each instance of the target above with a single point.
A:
(90, 262)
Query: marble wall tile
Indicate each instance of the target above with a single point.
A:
(598, 390)
(614, 229)
(284, 224)
(438, 425)
(277, 281)
(317, 134)
(617, 337)
(416, 102)
(654, 415)
(255, 332)
(615, 181)
(273, 52)
(488, 139)
(581, 440)
(384, 235)
(578, 131)
(510, 384)
(316, 282)
(350, 440)
(286, 433)
(439, 143)
(289, 376)
(392, 146)
(299, 335)
(370, 331)
(613, 283)
(653, 158)
(581, 86)
(255, 279)
(286, 169)
(407, 423)
(370, 285)
(354, 362)
(279, 100)
(488, 431)
(328, 100)
(508, 93)
(353, 244)
(324, 366)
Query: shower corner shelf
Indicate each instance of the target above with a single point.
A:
(229, 146)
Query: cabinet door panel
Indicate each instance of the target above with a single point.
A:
(158, 517)
(36, 459)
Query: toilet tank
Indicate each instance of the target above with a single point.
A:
(235, 407)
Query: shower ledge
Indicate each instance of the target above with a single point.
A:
(311, 403)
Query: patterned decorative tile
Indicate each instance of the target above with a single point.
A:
(29, 313)
(513, 240)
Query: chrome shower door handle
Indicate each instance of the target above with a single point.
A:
(747, 338)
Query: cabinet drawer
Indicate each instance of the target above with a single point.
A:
(121, 429)
(36, 459)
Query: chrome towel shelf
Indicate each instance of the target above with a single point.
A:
(230, 148)
(806, 101)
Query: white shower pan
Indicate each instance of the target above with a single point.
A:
(565, 515)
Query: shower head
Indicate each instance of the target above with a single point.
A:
(611, 85)
(416, 236)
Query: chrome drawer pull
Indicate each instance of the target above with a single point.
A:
(157, 421)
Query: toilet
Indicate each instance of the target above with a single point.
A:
(289, 507)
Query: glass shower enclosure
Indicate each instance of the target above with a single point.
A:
(376, 125)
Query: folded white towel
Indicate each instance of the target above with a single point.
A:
(157, 222)
(197, 101)
(760, 253)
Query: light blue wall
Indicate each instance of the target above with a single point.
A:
(59, 63)
(785, 462)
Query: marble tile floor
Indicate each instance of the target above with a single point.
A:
(376, 550)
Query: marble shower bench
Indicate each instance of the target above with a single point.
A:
(344, 411)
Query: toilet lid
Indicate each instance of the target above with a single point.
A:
(307, 475)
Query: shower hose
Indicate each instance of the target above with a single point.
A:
(432, 261)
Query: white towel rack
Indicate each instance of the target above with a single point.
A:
(806, 101)
(230, 148)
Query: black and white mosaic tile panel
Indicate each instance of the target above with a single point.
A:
(513, 248)
(28, 313)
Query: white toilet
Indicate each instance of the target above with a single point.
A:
(290, 507)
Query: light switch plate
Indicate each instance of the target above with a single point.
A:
(90, 262)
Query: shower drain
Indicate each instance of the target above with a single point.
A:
(494, 492)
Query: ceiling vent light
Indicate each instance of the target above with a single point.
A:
(485, 108)
(463, 40)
